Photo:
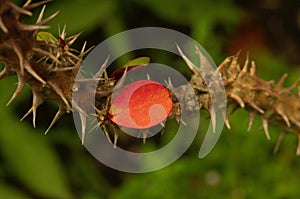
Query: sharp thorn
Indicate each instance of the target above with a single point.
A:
(212, 113)
(27, 3)
(298, 147)
(73, 56)
(34, 5)
(83, 126)
(238, 53)
(253, 105)
(227, 123)
(95, 127)
(33, 73)
(59, 113)
(224, 63)
(33, 111)
(4, 72)
(284, 117)
(83, 48)
(204, 62)
(162, 131)
(292, 87)
(105, 75)
(32, 27)
(281, 80)
(38, 99)
(28, 112)
(252, 69)
(42, 22)
(88, 50)
(225, 118)
(116, 136)
(19, 53)
(78, 108)
(99, 74)
(63, 33)
(63, 69)
(72, 39)
(191, 66)
(34, 116)
(182, 122)
(234, 63)
(59, 33)
(47, 54)
(266, 129)
(40, 18)
(169, 83)
(237, 99)
(245, 67)
(19, 9)
(279, 142)
(3, 27)
(61, 94)
(105, 130)
(21, 84)
(121, 81)
(251, 120)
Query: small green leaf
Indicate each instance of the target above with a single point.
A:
(141, 61)
(45, 36)
(138, 62)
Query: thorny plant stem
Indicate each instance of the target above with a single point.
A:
(50, 66)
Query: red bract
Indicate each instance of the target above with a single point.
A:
(141, 104)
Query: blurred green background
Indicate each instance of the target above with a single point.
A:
(242, 165)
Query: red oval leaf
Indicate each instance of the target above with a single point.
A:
(141, 104)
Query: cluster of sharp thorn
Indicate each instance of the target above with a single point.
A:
(49, 67)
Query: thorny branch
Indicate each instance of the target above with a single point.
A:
(50, 68)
